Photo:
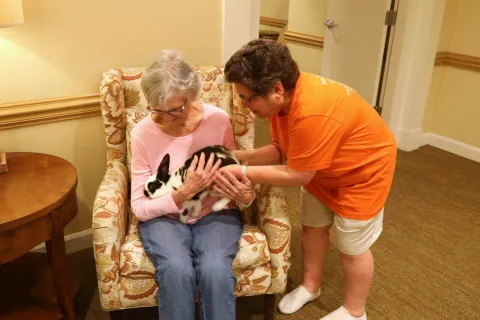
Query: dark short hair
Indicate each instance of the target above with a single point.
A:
(260, 64)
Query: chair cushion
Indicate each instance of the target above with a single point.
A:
(134, 262)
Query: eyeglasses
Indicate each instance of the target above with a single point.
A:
(249, 100)
(174, 112)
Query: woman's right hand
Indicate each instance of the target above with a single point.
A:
(200, 175)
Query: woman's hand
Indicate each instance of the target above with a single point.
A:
(200, 176)
(227, 185)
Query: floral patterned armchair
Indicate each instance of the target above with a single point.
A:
(124, 272)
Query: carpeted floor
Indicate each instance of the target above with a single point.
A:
(427, 260)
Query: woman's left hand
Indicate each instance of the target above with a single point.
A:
(227, 185)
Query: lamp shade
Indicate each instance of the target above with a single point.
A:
(11, 13)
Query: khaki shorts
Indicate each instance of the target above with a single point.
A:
(351, 237)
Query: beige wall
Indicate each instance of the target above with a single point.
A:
(277, 9)
(63, 48)
(453, 110)
(309, 58)
(65, 45)
(307, 17)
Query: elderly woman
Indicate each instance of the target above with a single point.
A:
(336, 147)
(199, 252)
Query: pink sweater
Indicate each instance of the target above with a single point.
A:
(149, 144)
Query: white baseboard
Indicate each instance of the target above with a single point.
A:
(409, 139)
(453, 146)
(73, 242)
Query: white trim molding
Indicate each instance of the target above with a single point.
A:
(409, 139)
(73, 242)
(453, 146)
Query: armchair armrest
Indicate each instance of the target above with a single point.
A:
(274, 221)
(109, 230)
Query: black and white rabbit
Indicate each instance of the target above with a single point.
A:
(164, 182)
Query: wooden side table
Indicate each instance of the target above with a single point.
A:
(37, 201)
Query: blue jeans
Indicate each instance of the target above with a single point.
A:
(200, 254)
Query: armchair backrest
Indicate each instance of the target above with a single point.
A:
(121, 95)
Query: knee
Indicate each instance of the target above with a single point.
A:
(361, 265)
(315, 233)
(176, 268)
(215, 270)
(355, 257)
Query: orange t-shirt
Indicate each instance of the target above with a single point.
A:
(332, 130)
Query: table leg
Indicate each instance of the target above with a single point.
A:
(58, 262)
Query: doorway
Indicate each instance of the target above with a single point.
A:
(358, 44)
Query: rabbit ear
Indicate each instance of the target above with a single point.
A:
(162, 172)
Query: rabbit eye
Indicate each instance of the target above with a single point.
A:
(151, 187)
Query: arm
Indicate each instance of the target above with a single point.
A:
(109, 227)
(269, 154)
(279, 176)
(180, 196)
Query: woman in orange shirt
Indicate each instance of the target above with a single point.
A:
(335, 146)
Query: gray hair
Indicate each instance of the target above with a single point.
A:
(168, 76)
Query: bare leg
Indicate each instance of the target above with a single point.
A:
(315, 242)
(314, 249)
(358, 273)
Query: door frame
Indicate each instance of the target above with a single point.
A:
(386, 56)
(410, 68)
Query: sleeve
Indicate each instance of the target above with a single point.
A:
(228, 137)
(313, 142)
(143, 207)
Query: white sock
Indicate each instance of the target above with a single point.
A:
(342, 314)
(296, 299)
